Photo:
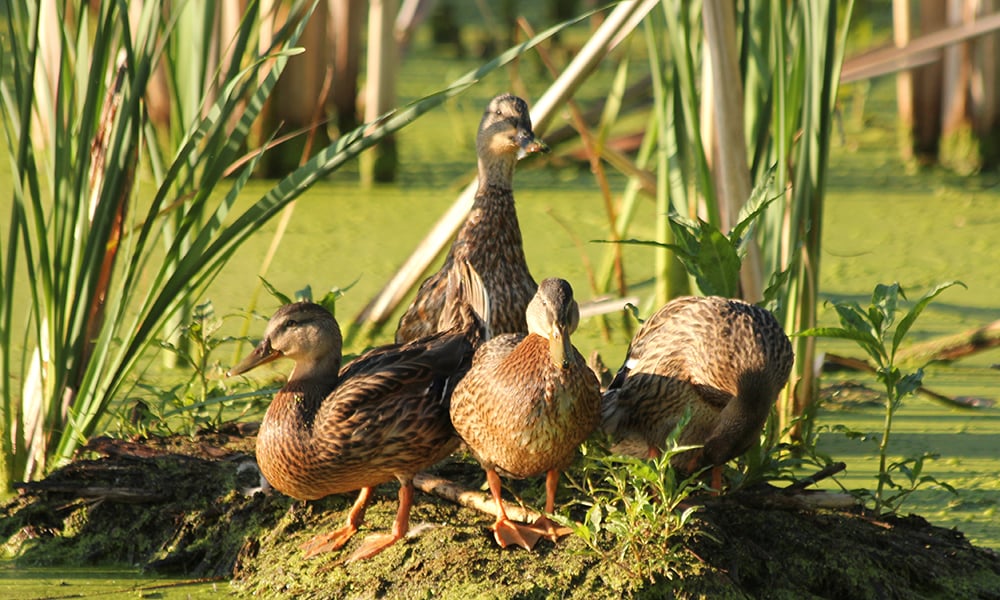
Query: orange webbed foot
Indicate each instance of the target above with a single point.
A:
(372, 545)
(547, 528)
(326, 542)
(507, 532)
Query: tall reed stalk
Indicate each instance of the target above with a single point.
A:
(781, 62)
(791, 109)
(85, 249)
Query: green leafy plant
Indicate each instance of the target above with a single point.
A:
(201, 341)
(774, 460)
(905, 476)
(634, 508)
(205, 400)
(879, 334)
(712, 257)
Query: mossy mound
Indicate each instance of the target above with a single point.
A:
(187, 505)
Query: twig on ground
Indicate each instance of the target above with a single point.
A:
(828, 471)
(475, 500)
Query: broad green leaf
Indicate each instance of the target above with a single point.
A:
(760, 199)
(907, 321)
(910, 383)
(882, 312)
(717, 265)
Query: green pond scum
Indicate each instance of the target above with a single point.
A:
(25, 583)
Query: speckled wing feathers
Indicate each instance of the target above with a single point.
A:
(525, 417)
(421, 318)
(387, 418)
(722, 359)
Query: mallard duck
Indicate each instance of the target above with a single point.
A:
(526, 404)
(490, 239)
(383, 416)
(722, 359)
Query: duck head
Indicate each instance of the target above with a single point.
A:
(554, 315)
(304, 332)
(505, 130)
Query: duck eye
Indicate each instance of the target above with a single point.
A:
(291, 323)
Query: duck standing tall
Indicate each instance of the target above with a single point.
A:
(490, 240)
(527, 403)
(722, 359)
(383, 416)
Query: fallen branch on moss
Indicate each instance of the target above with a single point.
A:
(112, 494)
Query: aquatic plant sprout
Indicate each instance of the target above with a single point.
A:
(876, 331)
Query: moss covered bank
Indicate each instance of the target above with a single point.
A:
(187, 505)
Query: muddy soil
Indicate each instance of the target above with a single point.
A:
(192, 506)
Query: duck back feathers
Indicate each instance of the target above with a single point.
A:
(722, 359)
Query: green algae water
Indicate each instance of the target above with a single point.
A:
(884, 222)
(53, 583)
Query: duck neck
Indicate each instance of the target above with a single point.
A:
(496, 174)
(755, 394)
(296, 404)
(325, 369)
(493, 217)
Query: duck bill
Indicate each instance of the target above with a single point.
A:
(561, 348)
(529, 144)
(262, 354)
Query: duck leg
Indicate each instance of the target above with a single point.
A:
(716, 480)
(506, 531)
(716, 471)
(326, 542)
(543, 525)
(374, 544)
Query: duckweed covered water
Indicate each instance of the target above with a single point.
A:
(52, 583)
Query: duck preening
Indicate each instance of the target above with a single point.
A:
(724, 360)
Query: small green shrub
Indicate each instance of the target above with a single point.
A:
(773, 460)
(876, 331)
(205, 399)
(634, 510)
